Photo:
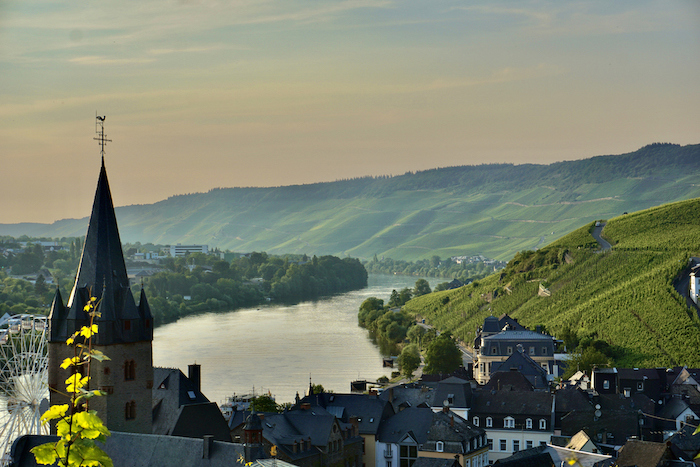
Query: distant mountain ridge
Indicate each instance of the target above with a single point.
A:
(494, 210)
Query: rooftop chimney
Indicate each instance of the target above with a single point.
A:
(194, 373)
(208, 446)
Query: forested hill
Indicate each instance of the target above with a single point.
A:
(618, 307)
(494, 210)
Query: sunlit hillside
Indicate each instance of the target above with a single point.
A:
(624, 296)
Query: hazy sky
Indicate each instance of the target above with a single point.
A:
(203, 94)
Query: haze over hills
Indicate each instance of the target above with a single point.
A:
(494, 210)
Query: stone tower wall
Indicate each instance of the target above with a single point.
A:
(112, 377)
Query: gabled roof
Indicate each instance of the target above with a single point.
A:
(453, 431)
(171, 390)
(415, 421)
(453, 389)
(520, 362)
(642, 454)
(198, 420)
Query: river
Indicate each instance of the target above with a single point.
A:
(278, 347)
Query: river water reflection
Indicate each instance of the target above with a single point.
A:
(277, 347)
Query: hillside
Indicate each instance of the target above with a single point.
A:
(624, 296)
(494, 210)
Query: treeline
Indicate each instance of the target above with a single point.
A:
(199, 282)
(435, 267)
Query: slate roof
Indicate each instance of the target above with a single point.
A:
(171, 390)
(435, 462)
(512, 403)
(686, 441)
(102, 274)
(369, 410)
(198, 420)
(522, 363)
(619, 417)
(142, 450)
(457, 390)
(409, 395)
(636, 453)
(454, 431)
(415, 421)
(509, 381)
(540, 455)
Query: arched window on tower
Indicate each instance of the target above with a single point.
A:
(129, 370)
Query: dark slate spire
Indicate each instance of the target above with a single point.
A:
(102, 274)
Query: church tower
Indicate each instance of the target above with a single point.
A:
(125, 329)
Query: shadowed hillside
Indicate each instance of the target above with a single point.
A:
(624, 297)
(493, 210)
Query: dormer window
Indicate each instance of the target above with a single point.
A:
(543, 424)
(475, 421)
(494, 350)
(528, 424)
(489, 422)
(532, 350)
(439, 446)
(509, 351)
(509, 422)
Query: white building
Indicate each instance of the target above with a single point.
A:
(183, 250)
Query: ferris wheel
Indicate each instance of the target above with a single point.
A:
(24, 393)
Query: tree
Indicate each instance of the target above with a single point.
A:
(409, 360)
(422, 288)
(264, 403)
(442, 355)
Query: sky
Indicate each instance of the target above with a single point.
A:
(200, 94)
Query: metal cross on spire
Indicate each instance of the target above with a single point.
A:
(101, 132)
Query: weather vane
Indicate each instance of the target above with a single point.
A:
(100, 121)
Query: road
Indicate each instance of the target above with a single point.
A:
(604, 245)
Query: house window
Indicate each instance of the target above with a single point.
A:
(388, 463)
(503, 444)
(127, 325)
(129, 370)
(407, 455)
(474, 443)
(489, 422)
(543, 424)
(528, 424)
(490, 443)
(532, 351)
(640, 386)
(130, 410)
(439, 446)
(606, 384)
(528, 444)
(509, 422)
(516, 445)
(475, 420)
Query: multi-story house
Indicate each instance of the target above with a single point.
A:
(494, 345)
(451, 436)
(513, 420)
